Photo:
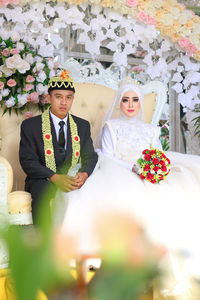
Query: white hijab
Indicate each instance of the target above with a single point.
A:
(114, 112)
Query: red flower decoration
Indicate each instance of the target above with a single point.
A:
(156, 168)
(145, 151)
(164, 169)
(76, 138)
(153, 165)
(147, 157)
(155, 161)
(162, 163)
(153, 181)
(168, 160)
(163, 155)
(150, 176)
(49, 152)
(147, 167)
(47, 136)
(142, 177)
(152, 152)
(77, 154)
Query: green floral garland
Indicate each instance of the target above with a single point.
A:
(48, 144)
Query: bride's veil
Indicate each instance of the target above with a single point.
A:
(125, 85)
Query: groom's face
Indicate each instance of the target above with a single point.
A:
(61, 102)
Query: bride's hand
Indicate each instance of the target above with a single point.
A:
(134, 169)
(80, 178)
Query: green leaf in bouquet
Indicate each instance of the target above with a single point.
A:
(9, 42)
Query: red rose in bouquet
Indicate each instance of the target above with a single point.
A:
(153, 165)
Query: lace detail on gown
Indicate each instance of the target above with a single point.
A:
(127, 134)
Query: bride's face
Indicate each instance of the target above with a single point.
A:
(130, 104)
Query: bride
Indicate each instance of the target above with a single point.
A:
(169, 210)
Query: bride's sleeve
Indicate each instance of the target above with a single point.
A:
(108, 148)
(156, 138)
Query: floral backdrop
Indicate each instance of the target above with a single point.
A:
(162, 33)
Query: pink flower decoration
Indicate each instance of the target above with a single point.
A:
(4, 2)
(131, 3)
(0, 74)
(187, 46)
(14, 2)
(191, 49)
(137, 69)
(30, 78)
(1, 85)
(33, 97)
(142, 17)
(151, 20)
(14, 51)
(28, 114)
(11, 82)
(28, 87)
(5, 51)
(183, 43)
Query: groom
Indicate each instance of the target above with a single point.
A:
(53, 143)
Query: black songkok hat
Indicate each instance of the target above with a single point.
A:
(61, 82)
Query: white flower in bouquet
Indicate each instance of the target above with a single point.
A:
(41, 89)
(38, 59)
(41, 76)
(50, 64)
(22, 75)
(22, 99)
(3, 34)
(15, 36)
(13, 61)
(10, 102)
(7, 71)
(23, 66)
(20, 46)
(5, 92)
(52, 73)
(29, 58)
(38, 67)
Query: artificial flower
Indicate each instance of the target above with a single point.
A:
(22, 77)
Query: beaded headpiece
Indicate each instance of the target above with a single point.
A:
(61, 82)
(129, 81)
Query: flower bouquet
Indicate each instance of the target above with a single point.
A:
(153, 166)
(24, 75)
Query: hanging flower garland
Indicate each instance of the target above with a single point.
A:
(171, 18)
(48, 143)
(125, 36)
(24, 75)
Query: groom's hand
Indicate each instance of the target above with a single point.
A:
(80, 178)
(64, 182)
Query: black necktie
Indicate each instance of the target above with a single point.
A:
(61, 138)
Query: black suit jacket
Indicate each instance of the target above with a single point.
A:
(31, 152)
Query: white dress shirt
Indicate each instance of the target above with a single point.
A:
(56, 121)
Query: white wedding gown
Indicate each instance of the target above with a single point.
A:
(169, 211)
